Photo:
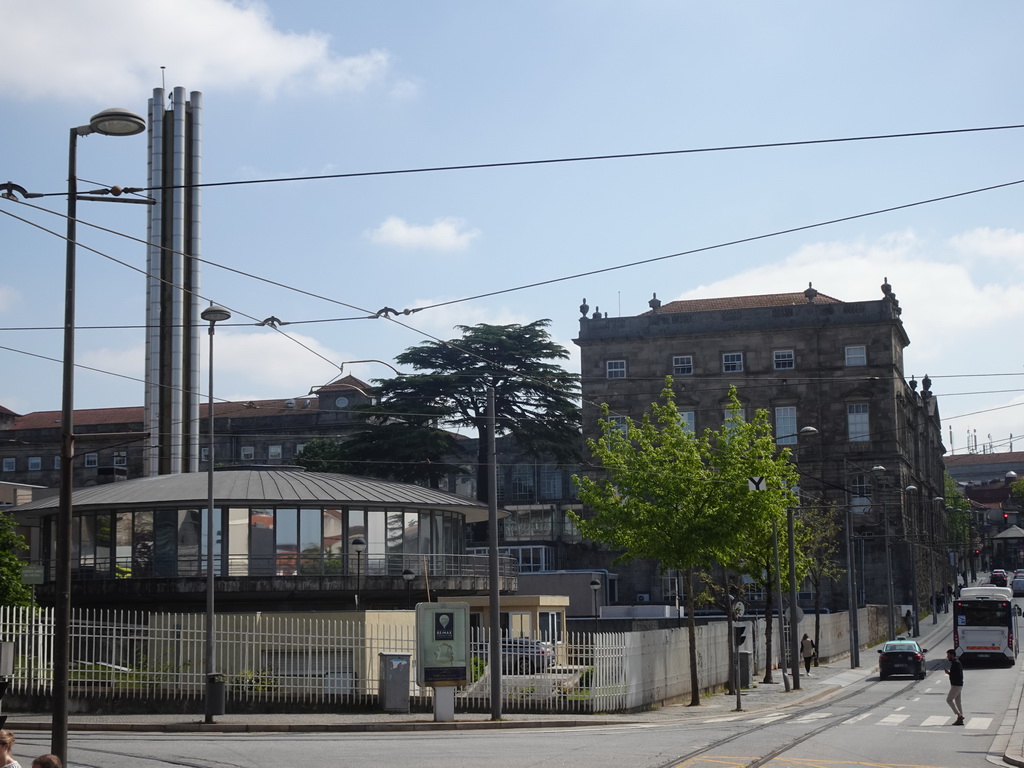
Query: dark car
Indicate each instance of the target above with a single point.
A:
(521, 655)
(902, 657)
(1018, 586)
(998, 578)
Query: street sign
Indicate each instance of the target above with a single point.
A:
(756, 483)
(32, 574)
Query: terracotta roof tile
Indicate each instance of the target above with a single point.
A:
(741, 302)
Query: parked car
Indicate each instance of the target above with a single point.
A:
(1018, 587)
(521, 654)
(902, 657)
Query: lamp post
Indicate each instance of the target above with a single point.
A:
(110, 122)
(879, 471)
(408, 576)
(359, 546)
(931, 562)
(794, 643)
(213, 314)
(595, 587)
(915, 625)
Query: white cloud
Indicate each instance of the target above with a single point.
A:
(446, 234)
(997, 244)
(8, 298)
(114, 49)
(261, 365)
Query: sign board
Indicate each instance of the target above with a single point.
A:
(442, 644)
(756, 483)
(32, 574)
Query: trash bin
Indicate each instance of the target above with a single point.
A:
(393, 690)
(216, 687)
(745, 659)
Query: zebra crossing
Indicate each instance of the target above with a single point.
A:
(891, 720)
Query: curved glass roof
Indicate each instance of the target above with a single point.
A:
(253, 487)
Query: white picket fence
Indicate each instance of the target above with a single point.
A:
(286, 662)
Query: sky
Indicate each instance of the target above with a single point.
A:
(310, 88)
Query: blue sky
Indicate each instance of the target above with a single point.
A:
(318, 87)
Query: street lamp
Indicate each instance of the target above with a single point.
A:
(794, 643)
(915, 626)
(359, 546)
(213, 314)
(408, 576)
(109, 122)
(595, 587)
(932, 546)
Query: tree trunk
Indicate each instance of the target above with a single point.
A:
(691, 628)
(768, 619)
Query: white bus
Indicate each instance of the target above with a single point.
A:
(985, 625)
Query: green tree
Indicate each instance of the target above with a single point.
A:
(682, 499)
(396, 449)
(12, 591)
(535, 398)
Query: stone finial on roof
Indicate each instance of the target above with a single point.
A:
(913, 383)
(886, 288)
(926, 383)
(810, 293)
(597, 313)
(654, 303)
(584, 308)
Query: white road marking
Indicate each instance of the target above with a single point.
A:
(813, 716)
(858, 718)
(935, 720)
(893, 719)
(979, 723)
(769, 719)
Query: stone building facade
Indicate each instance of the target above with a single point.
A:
(811, 360)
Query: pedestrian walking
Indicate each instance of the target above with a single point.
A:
(47, 761)
(6, 745)
(807, 650)
(956, 686)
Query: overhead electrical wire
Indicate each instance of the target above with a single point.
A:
(387, 311)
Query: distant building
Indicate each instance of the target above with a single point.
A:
(811, 360)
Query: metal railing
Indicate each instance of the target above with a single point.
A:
(284, 564)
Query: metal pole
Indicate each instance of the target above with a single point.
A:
(211, 616)
(778, 599)
(851, 587)
(62, 612)
(494, 600)
(794, 642)
(888, 575)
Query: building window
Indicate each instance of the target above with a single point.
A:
(248, 453)
(857, 422)
(56, 462)
(620, 423)
(785, 425)
(274, 452)
(682, 365)
(10, 465)
(784, 359)
(615, 369)
(860, 493)
(857, 355)
(204, 453)
(92, 460)
(689, 421)
(299, 447)
(121, 459)
(732, 362)
(35, 463)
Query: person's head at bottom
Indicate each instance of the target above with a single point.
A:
(47, 761)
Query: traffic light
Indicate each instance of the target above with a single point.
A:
(977, 551)
(739, 633)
